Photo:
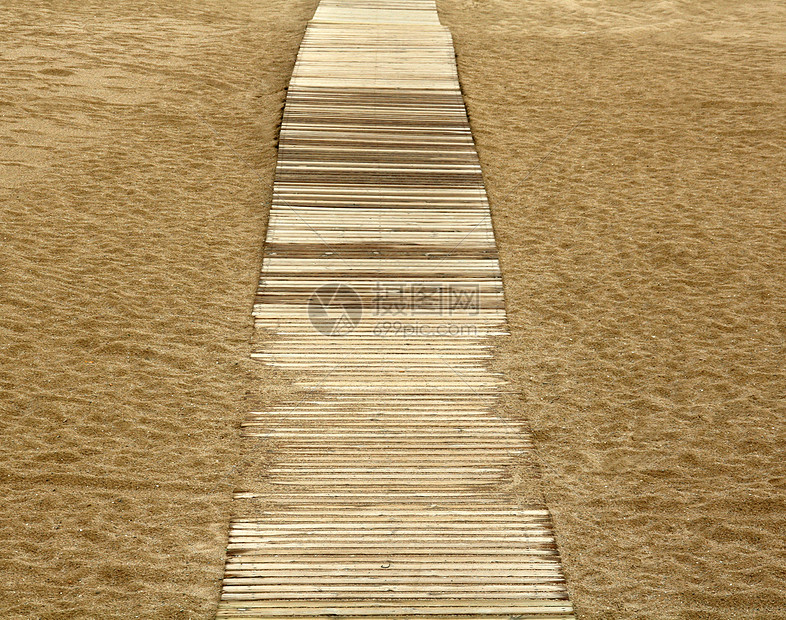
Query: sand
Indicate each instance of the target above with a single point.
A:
(633, 154)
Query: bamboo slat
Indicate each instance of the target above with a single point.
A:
(389, 492)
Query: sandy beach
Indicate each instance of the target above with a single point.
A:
(634, 157)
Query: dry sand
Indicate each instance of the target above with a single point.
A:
(643, 252)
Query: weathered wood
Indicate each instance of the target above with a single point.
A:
(389, 493)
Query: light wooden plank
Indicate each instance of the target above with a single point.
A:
(389, 494)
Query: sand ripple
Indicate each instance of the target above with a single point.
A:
(131, 235)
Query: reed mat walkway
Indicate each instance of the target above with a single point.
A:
(381, 290)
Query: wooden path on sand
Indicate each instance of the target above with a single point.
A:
(381, 290)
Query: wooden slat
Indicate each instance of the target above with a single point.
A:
(389, 494)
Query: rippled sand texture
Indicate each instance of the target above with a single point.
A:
(645, 274)
(131, 238)
(644, 265)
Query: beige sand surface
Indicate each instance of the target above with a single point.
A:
(643, 251)
(138, 145)
(645, 275)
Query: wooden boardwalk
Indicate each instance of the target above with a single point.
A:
(381, 290)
